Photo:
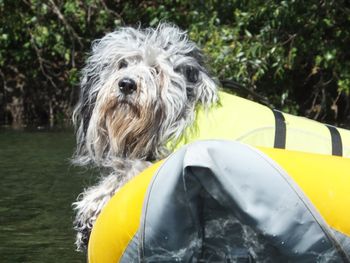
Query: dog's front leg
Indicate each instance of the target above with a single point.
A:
(90, 203)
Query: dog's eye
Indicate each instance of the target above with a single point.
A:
(191, 73)
(122, 64)
(157, 70)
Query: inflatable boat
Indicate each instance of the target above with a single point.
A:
(225, 201)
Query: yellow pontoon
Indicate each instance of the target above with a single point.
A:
(224, 201)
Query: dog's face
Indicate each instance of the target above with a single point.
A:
(139, 89)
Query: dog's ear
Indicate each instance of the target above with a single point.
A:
(87, 99)
(204, 87)
(83, 110)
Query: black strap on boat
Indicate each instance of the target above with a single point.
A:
(337, 145)
(280, 130)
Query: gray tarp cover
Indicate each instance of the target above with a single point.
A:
(221, 201)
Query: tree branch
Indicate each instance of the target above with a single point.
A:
(110, 10)
(41, 60)
(69, 28)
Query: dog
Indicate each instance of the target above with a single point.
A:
(140, 90)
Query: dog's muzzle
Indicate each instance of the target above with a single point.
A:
(127, 86)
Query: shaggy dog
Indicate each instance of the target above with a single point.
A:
(140, 90)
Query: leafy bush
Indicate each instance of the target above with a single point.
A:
(294, 53)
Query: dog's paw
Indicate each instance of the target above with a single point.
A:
(82, 238)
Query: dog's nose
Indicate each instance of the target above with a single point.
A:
(127, 86)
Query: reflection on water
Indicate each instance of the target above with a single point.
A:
(37, 188)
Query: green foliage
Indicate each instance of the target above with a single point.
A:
(295, 52)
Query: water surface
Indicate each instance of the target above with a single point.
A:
(38, 185)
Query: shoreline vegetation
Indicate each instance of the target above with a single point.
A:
(294, 54)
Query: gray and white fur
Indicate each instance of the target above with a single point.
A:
(140, 90)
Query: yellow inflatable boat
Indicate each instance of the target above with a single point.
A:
(224, 201)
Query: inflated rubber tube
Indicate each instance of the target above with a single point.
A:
(223, 201)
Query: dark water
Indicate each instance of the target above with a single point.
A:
(38, 185)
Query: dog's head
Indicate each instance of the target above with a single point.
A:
(139, 89)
